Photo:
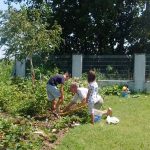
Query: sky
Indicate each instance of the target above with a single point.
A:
(3, 7)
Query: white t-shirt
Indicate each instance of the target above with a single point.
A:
(80, 95)
(93, 88)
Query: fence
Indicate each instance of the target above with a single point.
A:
(147, 73)
(111, 66)
(64, 62)
(134, 68)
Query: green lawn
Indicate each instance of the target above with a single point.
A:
(132, 132)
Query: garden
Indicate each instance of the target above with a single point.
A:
(26, 122)
(39, 30)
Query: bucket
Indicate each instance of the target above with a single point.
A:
(125, 94)
(97, 118)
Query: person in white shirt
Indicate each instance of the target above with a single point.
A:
(80, 94)
(93, 99)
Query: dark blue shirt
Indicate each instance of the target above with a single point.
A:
(55, 80)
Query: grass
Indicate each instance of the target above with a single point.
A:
(132, 132)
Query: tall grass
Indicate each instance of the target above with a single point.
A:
(6, 68)
(132, 132)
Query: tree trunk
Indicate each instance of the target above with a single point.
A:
(32, 72)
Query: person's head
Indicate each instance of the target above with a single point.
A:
(66, 76)
(74, 87)
(125, 87)
(91, 76)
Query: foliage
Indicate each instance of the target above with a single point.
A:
(5, 70)
(27, 32)
(111, 90)
(22, 99)
(18, 97)
(14, 136)
(109, 27)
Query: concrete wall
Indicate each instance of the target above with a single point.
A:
(130, 83)
(77, 65)
(139, 72)
(138, 84)
(147, 86)
(20, 68)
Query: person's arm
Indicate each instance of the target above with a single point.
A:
(83, 101)
(92, 119)
(73, 102)
(67, 108)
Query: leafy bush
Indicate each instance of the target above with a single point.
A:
(5, 70)
(14, 136)
(18, 96)
(111, 90)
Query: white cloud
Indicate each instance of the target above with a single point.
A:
(4, 6)
(1, 53)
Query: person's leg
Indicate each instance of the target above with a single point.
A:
(54, 103)
(60, 102)
(50, 97)
(91, 111)
(53, 94)
(98, 105)
(56, 97)
(107, 112)
(92, 118)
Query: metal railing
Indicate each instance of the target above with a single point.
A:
(111, 66)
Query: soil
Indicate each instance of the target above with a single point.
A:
(40, 123)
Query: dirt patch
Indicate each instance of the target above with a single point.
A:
(41, 123)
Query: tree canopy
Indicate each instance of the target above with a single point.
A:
(28, 31)
(101, 26)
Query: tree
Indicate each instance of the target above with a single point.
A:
(98, 26)
(26, 32)
(101, 26)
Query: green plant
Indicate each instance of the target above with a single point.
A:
(111, 90)
(13, 136)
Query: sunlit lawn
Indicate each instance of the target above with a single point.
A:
(132, 132)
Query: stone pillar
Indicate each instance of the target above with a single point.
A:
(77, 65)
(20, 68)
(139, 72)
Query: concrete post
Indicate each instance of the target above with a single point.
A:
(139, 72)
(77, 65)
(20, 68)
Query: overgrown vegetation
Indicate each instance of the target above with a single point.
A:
(14, 136)
(24, 110)
(25, 120)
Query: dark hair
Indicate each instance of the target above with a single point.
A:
(91, 76)
(125, 85)
(69, 75)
